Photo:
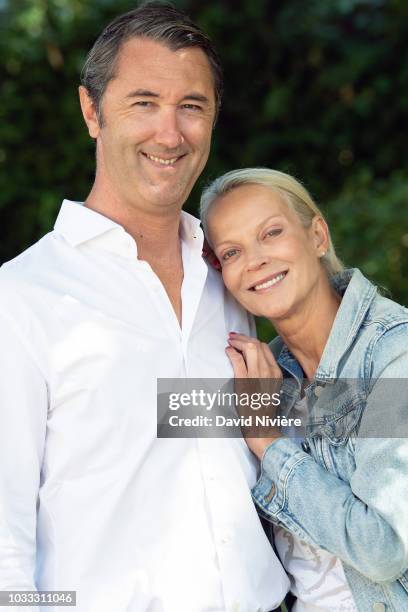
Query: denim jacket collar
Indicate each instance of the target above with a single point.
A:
(358, 294)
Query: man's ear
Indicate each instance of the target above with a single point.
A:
(320, 233)
(89, 112)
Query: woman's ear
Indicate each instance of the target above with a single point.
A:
(320, 234)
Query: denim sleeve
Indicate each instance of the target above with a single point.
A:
(364, 522)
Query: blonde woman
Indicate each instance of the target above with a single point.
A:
(338, 500)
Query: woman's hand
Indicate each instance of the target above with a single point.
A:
(256, 371)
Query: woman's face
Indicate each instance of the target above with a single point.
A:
(270, 262)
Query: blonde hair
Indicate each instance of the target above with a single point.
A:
(293, 193)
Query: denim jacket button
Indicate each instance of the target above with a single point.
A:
(379, 607)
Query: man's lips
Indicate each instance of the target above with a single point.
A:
(163, 161)
(268, 281)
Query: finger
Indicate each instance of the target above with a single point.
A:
(258, 366)
(250, 351)
(238, 343)
(237, 362)
(253, 356)
(265, 368)
(242, 337)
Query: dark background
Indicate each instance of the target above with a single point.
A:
(318, 89)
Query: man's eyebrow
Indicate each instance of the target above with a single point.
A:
(146, 93)
(197, 97)
(143, 93)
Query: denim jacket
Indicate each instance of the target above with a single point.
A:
(344, 491)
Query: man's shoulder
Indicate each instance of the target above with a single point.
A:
(20, 271)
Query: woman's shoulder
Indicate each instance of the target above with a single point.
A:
(385, 314)
(380, 325)
(385, 329)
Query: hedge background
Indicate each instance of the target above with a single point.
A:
(318, 89)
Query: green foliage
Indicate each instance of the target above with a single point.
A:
(317, 89)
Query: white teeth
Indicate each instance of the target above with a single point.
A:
(271, 282)
(165, 162)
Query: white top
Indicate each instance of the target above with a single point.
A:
(317, 576)
(131, 522)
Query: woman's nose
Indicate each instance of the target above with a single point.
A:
(257, 259)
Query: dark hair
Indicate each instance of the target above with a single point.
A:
(157, 21)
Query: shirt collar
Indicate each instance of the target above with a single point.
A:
(357, 295)
(79, 224)
(190, 231)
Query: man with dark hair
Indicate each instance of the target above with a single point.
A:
(115, 297)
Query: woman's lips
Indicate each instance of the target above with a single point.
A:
(269, 282)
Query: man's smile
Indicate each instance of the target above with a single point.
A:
(163, 161)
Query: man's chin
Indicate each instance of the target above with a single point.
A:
(168, 196)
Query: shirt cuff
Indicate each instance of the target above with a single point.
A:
(279, 462)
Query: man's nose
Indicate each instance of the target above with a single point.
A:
(168, 132)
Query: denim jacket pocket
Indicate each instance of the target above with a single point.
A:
(336, 413)
(338, 428)
(332, 441)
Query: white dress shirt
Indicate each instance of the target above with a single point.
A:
(90, 499)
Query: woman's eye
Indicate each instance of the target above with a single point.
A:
(274, 232)
(229, 254)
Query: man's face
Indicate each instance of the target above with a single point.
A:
(158, 114)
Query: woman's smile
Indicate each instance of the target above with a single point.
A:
(264, 285)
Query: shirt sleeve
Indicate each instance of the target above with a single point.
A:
(364, 521)
(23, 415)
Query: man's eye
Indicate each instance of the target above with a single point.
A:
(193, 107)
(229, 254)
(142, 103)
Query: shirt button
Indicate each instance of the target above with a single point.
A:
(318, 391)
(379, 607)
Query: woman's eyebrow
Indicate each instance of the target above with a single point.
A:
(278, 215)
(259, 226)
